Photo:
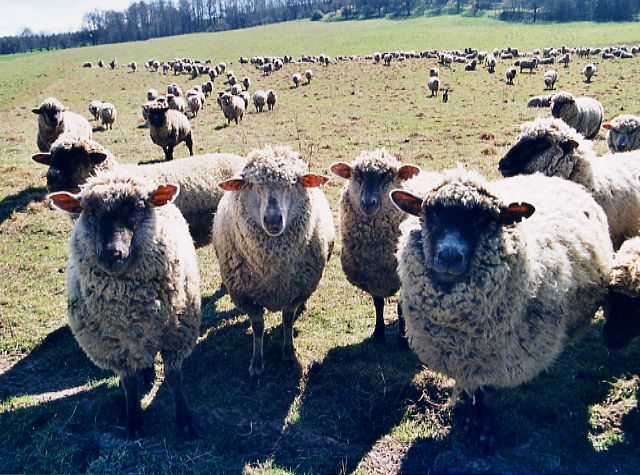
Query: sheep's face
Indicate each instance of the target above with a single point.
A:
(560, 102)
(157, 116)
(622, 320)
(539, 154)
(621, 137)
(69, 168)
(52, 116)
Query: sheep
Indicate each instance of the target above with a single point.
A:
(553, 148)
(540, 101)
(491, 64)
(471, 65)
(152, 94)
(87, 64)
(108, 114)
(370, 226)
(194, 102)
(168, 127)
(582, 113)
(434, 84)
(273, 235)
(134, 66)
(259, 100)
(434, 72)
(94, 108)
(246, 82)
(54, 119)
(445, 93)
(308, 74)
(510, 75)
(133, 285)
(113, 63)
(297, 79)
(272, 97)
(589, 71)
(621, 311)
(487, 300)
(236, 89)
(623, 133)
(101, 63)
(566, 59)
(176, 103)
(233, 107)
(529, 64)
(550, 77)
(72, 161)
(207, 88)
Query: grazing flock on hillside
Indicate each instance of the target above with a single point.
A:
(495, 278)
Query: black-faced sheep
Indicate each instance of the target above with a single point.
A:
(434, 85)
(589, 71)
(623, 133)
(232, 106)
(584, 114)
(540, 101)
(168, 127)
(94, 108)
(297, 79)
(108, 114)
(510, 75)
(54, 119)
(259, 100)
(272, 97)
(549, 78)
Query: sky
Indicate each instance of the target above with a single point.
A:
(50, 16)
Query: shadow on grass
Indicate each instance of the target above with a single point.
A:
(544, 426)
(19, 201)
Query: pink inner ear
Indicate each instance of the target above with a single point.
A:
(341, 169)
(234, 184)
(407, 202)
(311, 180)
(606, 126)
(66, 202)
(163, 194)
(408, 171)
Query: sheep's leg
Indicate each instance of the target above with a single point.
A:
(402, 332)
(146, 378)
(289, 316)
(186, 425)
(482, 424)
(168, 153)
(256, 315)
(134, 409)
(189, 142)
(378, 333)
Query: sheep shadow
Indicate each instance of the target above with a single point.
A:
(543, 426)
(18, 202)
(210, 312)
(221, 126)
(152, 161)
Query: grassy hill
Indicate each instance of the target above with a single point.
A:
(350, 404)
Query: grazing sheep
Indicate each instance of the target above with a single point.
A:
(370, 227)
(434, 85)
(510, 75)
(272, 97)
(233, 107)
(54, 119)
(259, 100)
(88, 64)
(246, 83)
(529, 64)
(308, 74)
(297, 79)
(582, 113)
(108, 114)
(152, 94)
(622, 310)
(94, 108)
(551, 147)
(168, 127)
(623, 133)
(471, 65)
(133, 66)
(273, 235)
(73, 160)
(133, 285)
(550, 77)
(589, 71)
(565, 60)
(540, 101)
(487, 300)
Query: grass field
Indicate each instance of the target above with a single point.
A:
(350, 404)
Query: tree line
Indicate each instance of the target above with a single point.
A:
(156, 18)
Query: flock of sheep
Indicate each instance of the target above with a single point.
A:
(485, 297)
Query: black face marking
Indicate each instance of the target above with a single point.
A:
(371, 186)
(157, 117)
(521, 154)
(623, 320)
(68, 169)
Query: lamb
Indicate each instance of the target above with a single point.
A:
(94, 108)
(168, 127)
(308, 74)
(108, 114)
(549, 78)
(589, 71)
(272, 97)
(551, 147)
(487, 300)
(133, 285)
(370, 227)
(540, 101)
(297, 79)
(72, 161)
(54, 119)
(582, 113)
(622, 314)
(273, 235)
(433, 84)
(259, 100)
(510, 75)
(566, 59)
(233, 107)
(623, 133)
(529, 64)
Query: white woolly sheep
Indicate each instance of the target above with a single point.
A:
(152, 94)
(434, 85)
(434, 72)
(272, 97)
(584, 114)
(94, 108)
(194, 102)
(529, 64)
(133, 285)
(54, 119)
(589, 71)
(370, 227)
(176, 103)
(551, 147)
(308, 74)
(113, 63)
(168, 127)
(236, 89)
(471, 65)
(297, 79)
(108, 114)
(540, 101)
(623, 133)
(549, 78)
(273, 235)
(259, 100)
(487, 300)
(73, 160)
(491, 64)
(510, 75)
(233, 107)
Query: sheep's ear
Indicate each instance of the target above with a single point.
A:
(311, 180)
(66, 202)
(515, 212)
(341, 169)
(36, 111)
(569, 145)
(406, 202)
(606, 126)
(408, 171)
(97, 157)
(234, 184)
(42, 158)
(164, 194)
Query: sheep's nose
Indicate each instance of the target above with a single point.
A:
(273, 224)
(112, 254)
(370, 204)
(449, 259)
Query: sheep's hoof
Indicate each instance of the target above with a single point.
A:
(255, 371)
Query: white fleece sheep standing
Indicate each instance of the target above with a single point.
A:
(434, 85)
(623, 133)
(72, 161)
(584, 114)
(510, 75)
(551, 147)
(370, 227)
(232, 106)
(168, 128)
(133, 284)
(308, 74)
(108, 114)
(259, 100)
(549, 78)
(54, 119)
(589, 71)
(94, 108)
(487, 300)
(297, 79)
(273, 234)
